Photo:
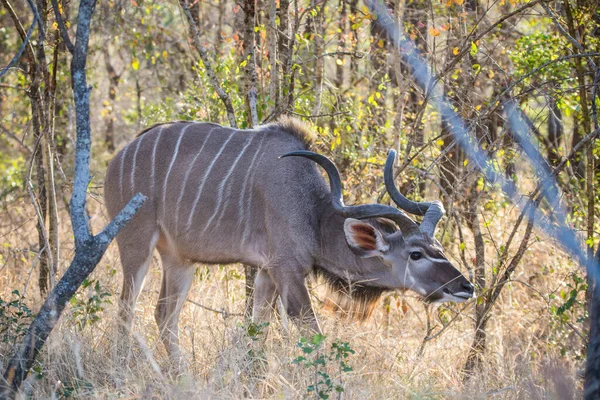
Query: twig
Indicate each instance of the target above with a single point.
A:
(61, 26)
(309, 116)
(574, 42)
(25, 43)
(467, 46)
(208, 66)
(35, 260)
(16, 139)
(224, 313)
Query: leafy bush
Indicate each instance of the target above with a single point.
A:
(317, 360)
(86, 310)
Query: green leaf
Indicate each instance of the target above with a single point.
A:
(474, 49)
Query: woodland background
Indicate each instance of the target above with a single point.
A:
(328, 63)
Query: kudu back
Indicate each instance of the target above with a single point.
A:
(218, 195)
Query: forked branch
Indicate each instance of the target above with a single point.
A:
(89, 249)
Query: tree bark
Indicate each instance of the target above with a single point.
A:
(249, 8)
(113, 84)
(89, 249)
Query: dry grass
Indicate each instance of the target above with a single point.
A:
(523, 360)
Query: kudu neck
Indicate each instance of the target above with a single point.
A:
(336, 257)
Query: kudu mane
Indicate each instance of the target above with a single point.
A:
(353, 301)
(291, 126)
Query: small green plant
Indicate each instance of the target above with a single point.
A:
(570, 312)
(15, 318)
(254, 330)
(317, 359)
(86, 310)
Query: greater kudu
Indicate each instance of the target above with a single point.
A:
(218, 195)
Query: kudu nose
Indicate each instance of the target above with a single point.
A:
(468, 287)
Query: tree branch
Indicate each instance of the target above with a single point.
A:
(61, 26)
(24, 37)
(88, 249)
(208, 65)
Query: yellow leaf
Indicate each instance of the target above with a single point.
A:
(465, 162)
(491, 74)
(339, 61)
(456, 51)
(440, 142)
(380, 43)
(135, 64)
(434, 32)
(165, 54)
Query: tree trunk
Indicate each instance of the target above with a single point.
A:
(273, 41)
(249, 8)
(88, 249)
(477, 351)
(284, 32)
(319, 46)
(113, 85)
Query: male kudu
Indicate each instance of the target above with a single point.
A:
(218, 195)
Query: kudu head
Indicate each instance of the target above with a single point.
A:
(411, 252)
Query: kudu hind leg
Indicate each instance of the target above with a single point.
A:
(176, 282)
(136, 256)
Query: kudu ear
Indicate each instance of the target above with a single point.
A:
(364, 239)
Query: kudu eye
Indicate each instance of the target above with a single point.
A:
(415, 255)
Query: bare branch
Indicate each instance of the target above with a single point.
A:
(24, 37)
(208, 65)
(61, 26)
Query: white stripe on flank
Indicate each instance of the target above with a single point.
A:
(250, 169)
(121, 168)
(222, 186)
(132, 176)
(248, 199)
(187, 175)
(203, 181)
(164, 196)
(152, 166)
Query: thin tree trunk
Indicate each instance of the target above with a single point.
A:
(273, 41)
(113, 85)
(583, 102)
(478, 347)
(249, 7)
(284, 40)
(319, 65)
(88, 249)
(555, 132)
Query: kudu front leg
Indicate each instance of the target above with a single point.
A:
(265, 296)
(296, 300)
